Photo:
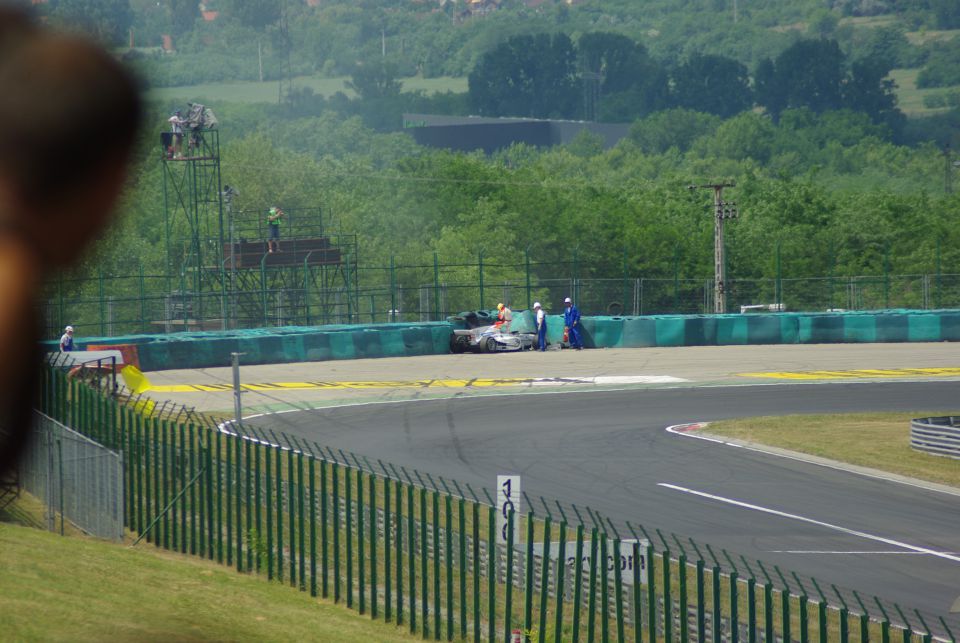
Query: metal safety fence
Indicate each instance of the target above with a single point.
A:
(76, 478)
(433, 556)
(112, 305)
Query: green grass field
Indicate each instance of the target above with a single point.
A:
(268, 92)
(80, 589)
(876, 440)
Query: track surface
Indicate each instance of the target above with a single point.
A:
(609, 450)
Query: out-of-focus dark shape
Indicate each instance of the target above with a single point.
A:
(69, 115)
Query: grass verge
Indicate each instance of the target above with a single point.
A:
(81, 589)
(876, 440)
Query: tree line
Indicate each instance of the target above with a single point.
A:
(609, 77)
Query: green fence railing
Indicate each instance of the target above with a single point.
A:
(426, 554)
(109, 305)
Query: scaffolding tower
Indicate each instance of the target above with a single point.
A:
(220, 272)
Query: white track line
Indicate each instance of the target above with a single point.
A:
(819, 523)
(858, 553)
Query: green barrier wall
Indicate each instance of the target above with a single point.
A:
(779, 328)
(320, 343)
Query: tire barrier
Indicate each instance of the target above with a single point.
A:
(936, 435)
(320, 343)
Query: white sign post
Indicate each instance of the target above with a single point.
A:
(508, 498)
(625, 560)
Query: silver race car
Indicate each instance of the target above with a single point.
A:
(490, 339)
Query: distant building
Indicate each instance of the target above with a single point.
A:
(469, 133)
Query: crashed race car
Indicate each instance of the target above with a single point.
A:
(490, 339)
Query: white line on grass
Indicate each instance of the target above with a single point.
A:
(819, 523)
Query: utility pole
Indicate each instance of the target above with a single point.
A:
(721, 210)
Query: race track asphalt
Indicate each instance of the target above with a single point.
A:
(609, 450)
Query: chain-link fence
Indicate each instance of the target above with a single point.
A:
(76, 478)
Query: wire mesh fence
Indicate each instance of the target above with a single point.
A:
(431, 291)
(76, 478)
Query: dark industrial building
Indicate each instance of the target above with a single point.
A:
(469, 133)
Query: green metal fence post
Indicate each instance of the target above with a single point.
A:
(210, 478)
(637, 584)
(411, 560)
(667, 599)
(618, 589)
(268, 458)
(219, 493)
(193, 453)
(448, 559)
(604, 590)
(577, 584)
(229, 493)
(435, 513)
(734, 635)
(312, 474)
(544, 579)
(717, 603)
(278, 480)
(348, 530)
(508, 589)
(258, 449)
(291, 517)
(387, 552)
(248, 501)
(528, 577)
(424, 576)
(561, 569)
(324, 531)
(476, 571)
(374, 534)
(462, 525)
(592, 591)
(302, 558)
(768, 632)
(491, 573)
(399, 545)
(684, 601)
(148, 473)
(752, 610)
(184, 476)
(361, 561)
(652, 596)
(335, 508)
(785, 614)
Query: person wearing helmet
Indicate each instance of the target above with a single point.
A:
(273, 225)
(541, 319)
(571, 319)
(505, 317)
(66, 340)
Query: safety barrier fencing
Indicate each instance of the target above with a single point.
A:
(936, 435)
(111, 305)
(426, 553)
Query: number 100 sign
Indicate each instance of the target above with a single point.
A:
(508, 499)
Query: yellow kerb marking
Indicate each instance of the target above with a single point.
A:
(300, 386)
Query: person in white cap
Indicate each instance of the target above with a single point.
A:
(66, 340)
(571, 319)
(541, 318)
